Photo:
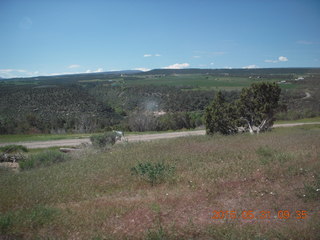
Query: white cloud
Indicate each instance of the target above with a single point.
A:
(142, 69)
(250, 66)
(177, 66)
(283, 59)
(12, 70)
(212, 63)
(99, 70)
(16, 73)
(152, 55)
(280, 59)
(93, 71)
(196, 56)
(74, 66)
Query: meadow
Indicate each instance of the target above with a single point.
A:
(94, 194)
(202, 81)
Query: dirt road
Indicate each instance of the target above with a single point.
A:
(130, 138)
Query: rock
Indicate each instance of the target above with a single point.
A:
(14, 166)
(66, 150)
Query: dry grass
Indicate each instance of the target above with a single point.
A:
(94, 196)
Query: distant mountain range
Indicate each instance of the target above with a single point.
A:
(237, 72)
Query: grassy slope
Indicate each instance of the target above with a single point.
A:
(94, 196)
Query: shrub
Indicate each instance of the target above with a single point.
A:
(103, 140)
(44, 158)
(13, 149)
(312, 190)
(153, 173)
(266, 155)
(5, 223)
(12, 153)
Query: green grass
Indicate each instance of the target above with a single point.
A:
(95, 196)
(13, 149)
(39, 137)
(307, 120)
(13, 138)
(202, 82)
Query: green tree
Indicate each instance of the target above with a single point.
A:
(257, 106)
(221, 116)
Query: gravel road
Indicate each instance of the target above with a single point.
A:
(129, 138)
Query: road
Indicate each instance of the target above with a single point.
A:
(129, 138)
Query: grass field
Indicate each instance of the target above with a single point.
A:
(39, 137)
(95, 196)
(202, 81)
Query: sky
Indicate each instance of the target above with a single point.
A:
(51, 37)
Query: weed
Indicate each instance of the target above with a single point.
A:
(44, 158)
(5, 223)
(153, 173)
(103, 140)
(265, 155)
(13, 149)
(33, 218)
(312, 190)
(157, 234)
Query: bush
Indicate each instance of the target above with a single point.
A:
(153, 173)
(13, 149)
(12, 153)
(103, 140)
(45, 158)
(312, 190)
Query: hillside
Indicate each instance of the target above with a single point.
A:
(256, 187)
(131, 101)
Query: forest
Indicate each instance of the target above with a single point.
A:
(157, 100)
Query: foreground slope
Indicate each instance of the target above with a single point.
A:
(94, 195)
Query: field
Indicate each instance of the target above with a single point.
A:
(95, 196)
(202, 81)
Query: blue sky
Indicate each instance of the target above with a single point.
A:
(72, 36)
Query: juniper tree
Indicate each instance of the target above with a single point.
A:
(257, 106)
(221, 116)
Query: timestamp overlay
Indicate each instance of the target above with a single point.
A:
(262, 214)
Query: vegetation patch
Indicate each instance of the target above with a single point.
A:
(45, 158)
(312, 189)
(103, 140)
(33, 218)
(96, 196)
(153, 173)
(13, 149)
